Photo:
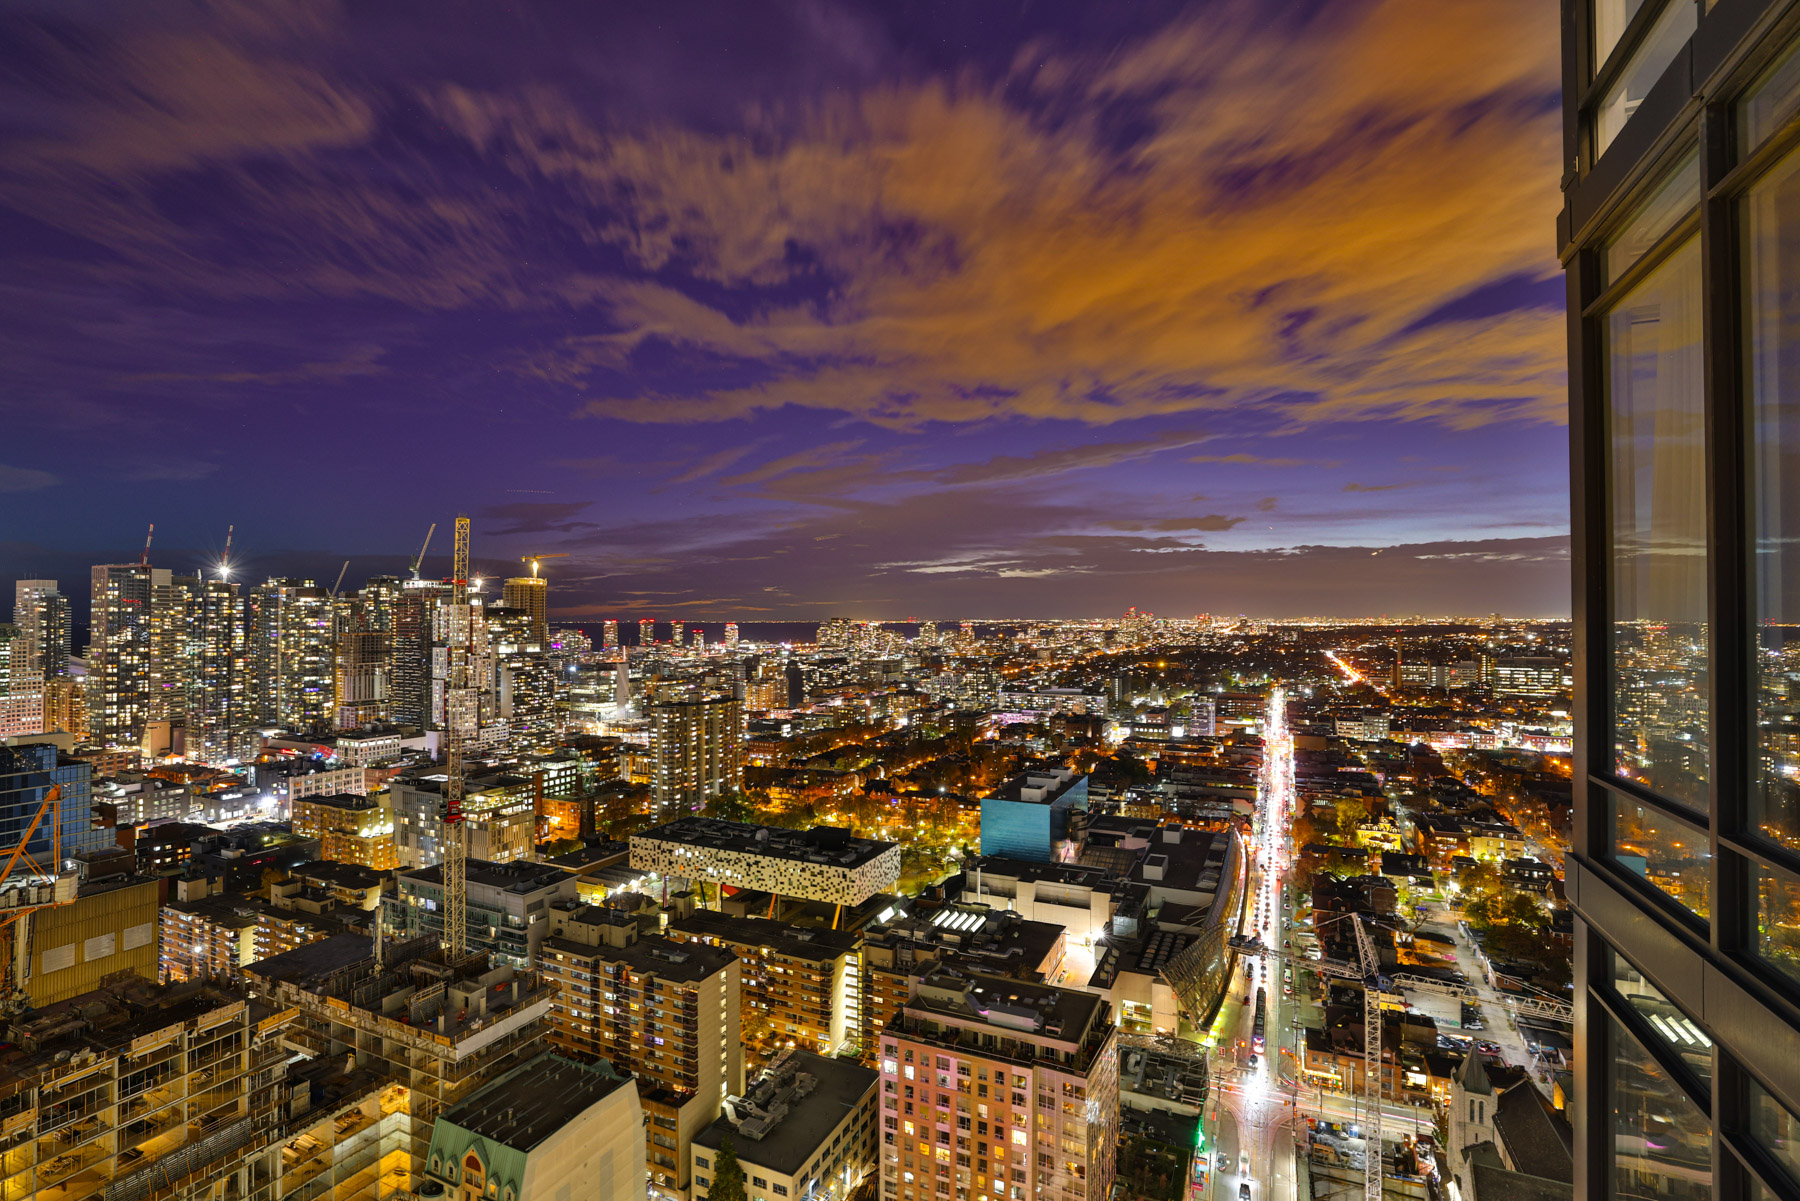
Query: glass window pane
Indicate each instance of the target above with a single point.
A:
(1610, 19)
(1655, 217)
(1680, 1034)
(1662, 1142)
(1672, 855)
(1770, 101)
(1775, 1130)
(1778, 920)
(1657, 434)
(1653, 56)
(1771, 275)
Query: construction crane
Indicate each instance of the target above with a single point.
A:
(1371, 978)
(534, 559)
(420, 557)
(456, 705)
(144, 559)
(225, 559)
(40, 887)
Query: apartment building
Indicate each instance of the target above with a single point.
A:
(802, 986)
(203, 935)
(667, 1011)
(805, 1129)
(902, 948)
(508, 906)
(995, 1087)
(500, 813)
(350, 828)
(421, 1034)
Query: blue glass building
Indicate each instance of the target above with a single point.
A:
(1028, 816)
(26, 774)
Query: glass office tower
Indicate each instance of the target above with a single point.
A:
(1681, 234)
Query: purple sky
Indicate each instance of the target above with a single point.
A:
(787, 310)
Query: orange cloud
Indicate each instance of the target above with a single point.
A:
(1309, 197)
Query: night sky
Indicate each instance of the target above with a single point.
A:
(794, 310)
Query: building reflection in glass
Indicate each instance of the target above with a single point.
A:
(1662, 1142)
(1657, 501)
(1669, 853)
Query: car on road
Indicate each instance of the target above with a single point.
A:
(1254, 1060)
(1243, 1190)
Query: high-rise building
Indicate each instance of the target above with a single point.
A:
(21, 690)
(174, 606)
(27, 773)
(220, 715)
(37, 653)
(731, 635)
(42, 612)
(609, 638)
(119, 652)
(525, 682)
(1680, 230)
(292, 638)
(698, 747)
(1016, 1091)
(65, 707)
(664, 1010)
(364, 659)
(676, 630)
(646, 631)
(409, 686)
(532, 594)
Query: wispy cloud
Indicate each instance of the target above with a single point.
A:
(24, 479)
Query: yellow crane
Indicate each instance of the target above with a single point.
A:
(534, 559)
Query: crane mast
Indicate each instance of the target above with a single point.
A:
(456, 715)
(1371, 970)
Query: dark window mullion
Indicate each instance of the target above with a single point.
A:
(1643, 796)
(1726, 567)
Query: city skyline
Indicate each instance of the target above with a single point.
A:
(800, 312)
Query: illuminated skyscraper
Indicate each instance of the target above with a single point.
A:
(220, 725)
(609, 639)
(731, 635)
(293, 659)
(40, 654)
(21, 692)
(532, 594)
(119, 651)
(524, 683)
(646, 631)
(409, 684)
(698, 747)
(676, 630)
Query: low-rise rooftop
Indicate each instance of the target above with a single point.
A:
(790, 1110)
(536, 1099)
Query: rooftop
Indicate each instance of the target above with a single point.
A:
(536, 1099)
(1005, 1004)
(341, 800)
(519, 877)
(799, 942)
(1044, 786)
(833, 846)
(790, 1110)
(682, 962)
(994, 940)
